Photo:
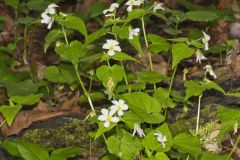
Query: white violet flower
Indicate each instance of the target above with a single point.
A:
(46, 15)
(133, 32)
(111, 9)
(46, 19)
(161, 138)
(51, 8)
(112, 46)
(131, 3)
(119, 107)
(199, 56)
(209, 70)
(139, 130)
(158, 6)
(205, 40)
(107, 117)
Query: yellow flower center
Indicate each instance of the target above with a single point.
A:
(111, 47)
(108, 118)
(132, 2)
(119, 108)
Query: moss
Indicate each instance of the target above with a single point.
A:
(73, 132)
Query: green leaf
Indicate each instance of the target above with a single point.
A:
(151, 77)
(31, 151)
(162, 96)
(91, 58)
(11, 148)
(159, 44)
(26, 100)
(122, 32)
(136, 44)
(150, 141)
(185, 143)
(193, 88)
(130, 146)
(10, 112)
(211, 156)
(180, 51)
(101, 129)
(120, 56)
(155, 38)
(113, 145)
(74, 23)
(178, 40)
(37, 5)
(161, 156)
(22, 88)
(12, 3)
(64, 153)
(201, 16)
(96, 35)
(127, 147)
(229, 117)
(97, 8)
(131, 87)
(159, 47)
(51, 37)
(145, 106)
(72, 52)
(234, 94)
(62, 74)
(105, 73)
(196, 88)
(172, 31)
(135, 14)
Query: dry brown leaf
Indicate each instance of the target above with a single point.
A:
(68, 104)
(237, 67)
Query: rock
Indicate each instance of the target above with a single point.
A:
(235, 30)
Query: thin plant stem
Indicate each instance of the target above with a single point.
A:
(146, 43)
(198, 113)
(171, 83)
(84, 89)
(79, 77)
(105, 139)
(234, 147)
(2, 123)
(65, 35)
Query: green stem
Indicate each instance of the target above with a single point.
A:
(171, 83)
(84, 89)
(2, 123)
(234, 147)
(79, 77)
(105, 139)
(198, 113)
(146, 43)
(65, 35)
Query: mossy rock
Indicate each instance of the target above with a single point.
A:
(65, 132)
